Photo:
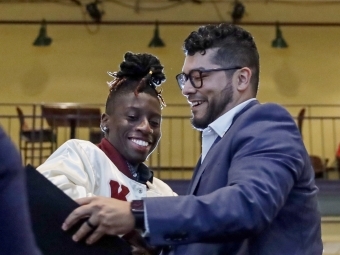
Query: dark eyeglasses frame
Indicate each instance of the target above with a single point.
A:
(200, 71)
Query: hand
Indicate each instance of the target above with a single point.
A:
(106, 215)
(139, 245)
(152, 191)
(143, 251)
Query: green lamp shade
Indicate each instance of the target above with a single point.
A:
(279, 42)
(156, 41)
(42, 39)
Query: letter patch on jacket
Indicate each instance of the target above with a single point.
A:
(118, 191)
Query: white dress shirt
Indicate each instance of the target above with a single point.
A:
(219, 127)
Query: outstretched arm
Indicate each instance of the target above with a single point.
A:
(107, 215)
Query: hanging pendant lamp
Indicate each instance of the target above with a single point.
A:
(42, 39)
(279, 42)
(156, 41)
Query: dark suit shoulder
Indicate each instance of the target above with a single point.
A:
(271, 111)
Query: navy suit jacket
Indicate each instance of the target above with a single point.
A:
(254, 194)
(16, 235)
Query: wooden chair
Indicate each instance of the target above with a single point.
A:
(35, 144)
(300, 118)
(95, 135)
(319, 165)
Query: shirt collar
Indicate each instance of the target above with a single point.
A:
(221, 125)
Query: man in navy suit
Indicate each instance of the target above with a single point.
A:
(253, 190)
(16, 236)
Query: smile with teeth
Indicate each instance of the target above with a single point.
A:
(140, 142)
(196, 103)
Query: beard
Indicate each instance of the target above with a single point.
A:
(216, 106)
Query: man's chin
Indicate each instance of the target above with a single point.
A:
(198, 124)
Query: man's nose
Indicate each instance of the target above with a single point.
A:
(188, 88)
(145, 126)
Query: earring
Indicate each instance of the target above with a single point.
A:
(104, 129)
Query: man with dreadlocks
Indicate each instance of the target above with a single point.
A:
(132, 129)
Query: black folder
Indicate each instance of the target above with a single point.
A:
(49, 207)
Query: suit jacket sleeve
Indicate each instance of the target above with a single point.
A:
(16, 235)
(258, 159)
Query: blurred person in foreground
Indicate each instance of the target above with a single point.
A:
(132, 127)
(16, 235)
(253, 189)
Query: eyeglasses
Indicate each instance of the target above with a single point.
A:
(196, 78)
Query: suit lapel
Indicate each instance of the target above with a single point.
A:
(199, 169)
(194, 176)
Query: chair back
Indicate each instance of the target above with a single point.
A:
(300, 119)
(23, 124)
(318, 165)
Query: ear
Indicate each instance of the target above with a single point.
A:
(104, 120)
(243, 79)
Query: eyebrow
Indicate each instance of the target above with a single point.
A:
(196, 68)
(139, 109)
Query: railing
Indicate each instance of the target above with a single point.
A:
(320, 130)
(180, 146)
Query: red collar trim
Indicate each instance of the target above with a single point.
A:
(115, 157)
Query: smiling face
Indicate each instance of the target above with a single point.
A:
(217, 94)
(134, 125)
